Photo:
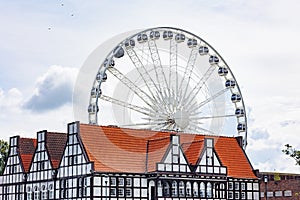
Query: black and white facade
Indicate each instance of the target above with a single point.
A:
(80, 174)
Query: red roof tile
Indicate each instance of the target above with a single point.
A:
(56, 145)
(234, 157)
(193, 149)
(114, 149)
(26, 149)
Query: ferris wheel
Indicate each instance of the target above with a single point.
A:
(168, 79)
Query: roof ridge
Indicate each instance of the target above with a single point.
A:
(160, 131)
(57, 133)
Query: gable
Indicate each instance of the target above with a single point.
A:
(41, 168)
(55, 145)
(174, 159)
(14, 170)
(26, 151)
(209, 161)
(74, 155)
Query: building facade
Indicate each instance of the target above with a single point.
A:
(112, 163)
(280, 186)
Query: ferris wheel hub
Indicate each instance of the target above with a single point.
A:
(181, 118)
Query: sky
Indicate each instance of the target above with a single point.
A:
(44, 44)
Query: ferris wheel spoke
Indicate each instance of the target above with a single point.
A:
(211, 117)
(187, 74)
(146, 77)
(198, 106)
(199, 85)
(127, 105)
(173, 78)
(160, 74)
(198, 128)
(141, 69)
(144, 124)
(143, 96)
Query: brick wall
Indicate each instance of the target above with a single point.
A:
(281, 190)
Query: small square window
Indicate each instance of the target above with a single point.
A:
(175, 139)
(230, 185)
(237, 195)
(209, 142)
(121, 192)
(243, 186)
(175, 159)
(243, 196)
(121, 182)
(128, 192)
(236, 186)
(128, 181)
(113, 181)
(230, 195)
(113, 192)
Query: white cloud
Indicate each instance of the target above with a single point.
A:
(53, 89)
(51, 103)
(10, 101)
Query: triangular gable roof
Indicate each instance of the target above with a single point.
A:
(26, 149)
(55, 144)
(114, 149)
(193, 149)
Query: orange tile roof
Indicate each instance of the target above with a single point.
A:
(114, 149)
(193, 149)
(26, 149)
(234, 157)
(56, 145)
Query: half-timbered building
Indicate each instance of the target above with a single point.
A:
(112, 163)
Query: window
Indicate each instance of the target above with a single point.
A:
(80, 187)
(202, 189)
(11, 169)
(243, 196)
(121, 192)
(63, 189)
(237, 195)
(236, 185)
(230, 185)
(230, 195)
(243, 186)
(181, 189)
(174, 189)
(128, 192)
(72, 160)
(188, 189)
(51, 194)
(113, 192)
(175, 159)
(128, 181)
(44, 192)
(166, 189)
(195, 189)
(36, 195)
(29, 195)
(113, 181)
(209, 190)
(159, 189)
(121, 181)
